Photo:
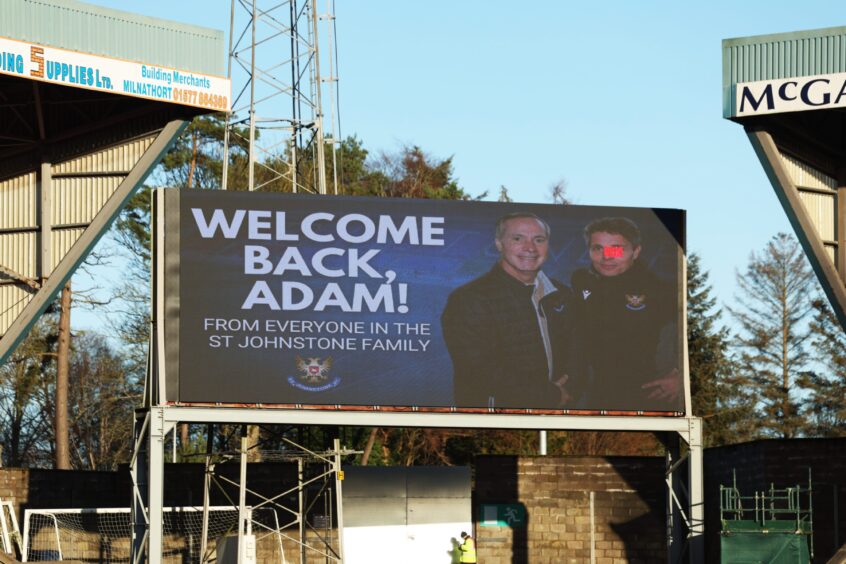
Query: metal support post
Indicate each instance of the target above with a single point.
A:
(301, 510)
(242, 497)
(45, 192)
(696, 534)
(139, 473)
(155, 499)
(251, 174)
(542, 443)
(317, 88)
(675, 517)
(209, 468)
(339, 498)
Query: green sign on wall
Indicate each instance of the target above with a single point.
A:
(503, 515)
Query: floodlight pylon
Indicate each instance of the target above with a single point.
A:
(276, 52)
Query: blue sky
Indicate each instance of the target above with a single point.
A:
(620, 99)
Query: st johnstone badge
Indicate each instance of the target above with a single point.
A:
(313, 375)
(635, 302)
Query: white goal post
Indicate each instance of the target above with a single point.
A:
(105, 534)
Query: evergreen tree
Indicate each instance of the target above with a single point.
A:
(408, 173)
(712, 393)
(775, 302)
(825, 406)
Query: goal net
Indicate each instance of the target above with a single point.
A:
(104, 535)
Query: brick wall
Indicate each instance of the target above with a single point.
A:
(14, 485)
(628, 509)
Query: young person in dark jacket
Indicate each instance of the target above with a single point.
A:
(501, 327)
(625, 324)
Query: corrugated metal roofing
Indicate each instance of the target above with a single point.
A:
(818, 193)
(782, 55)
(80, 188)
(78, 26)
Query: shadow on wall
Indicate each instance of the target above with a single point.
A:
(638, 515)
(496, 490)
(574, 506)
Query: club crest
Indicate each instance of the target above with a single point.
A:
(636, 302)
(585, 294)
(313, 374)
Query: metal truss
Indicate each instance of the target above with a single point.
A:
(320, 471)
(324, 480)
(685, 509)
(685, 512)
(278, 54)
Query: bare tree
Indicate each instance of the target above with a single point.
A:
(503, 195)
(773, 309)
(102, 398)
(558, 193)
(25, 425)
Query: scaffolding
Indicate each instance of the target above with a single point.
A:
(316, 492)
(310, 506)
(775, 525)
(155, 424)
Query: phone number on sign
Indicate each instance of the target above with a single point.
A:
(204, 99)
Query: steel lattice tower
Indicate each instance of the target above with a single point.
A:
(283, 66)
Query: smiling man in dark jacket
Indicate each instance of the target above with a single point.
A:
(501, 329)
(625, 319)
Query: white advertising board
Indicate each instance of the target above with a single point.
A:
(128, 78)
(815, 92)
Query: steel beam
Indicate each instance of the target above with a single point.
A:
(840, 229)
(89, 238)
(155, 493)
(262, 416)
(45, 194)
(138, 470)
(788, 194)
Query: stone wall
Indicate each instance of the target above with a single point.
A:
(627, 521)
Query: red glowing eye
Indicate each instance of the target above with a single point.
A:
(612, 252)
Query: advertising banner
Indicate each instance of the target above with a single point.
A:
(797, 94)
(116, 76)
(279, 299)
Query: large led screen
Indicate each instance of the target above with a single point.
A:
(278, 299)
